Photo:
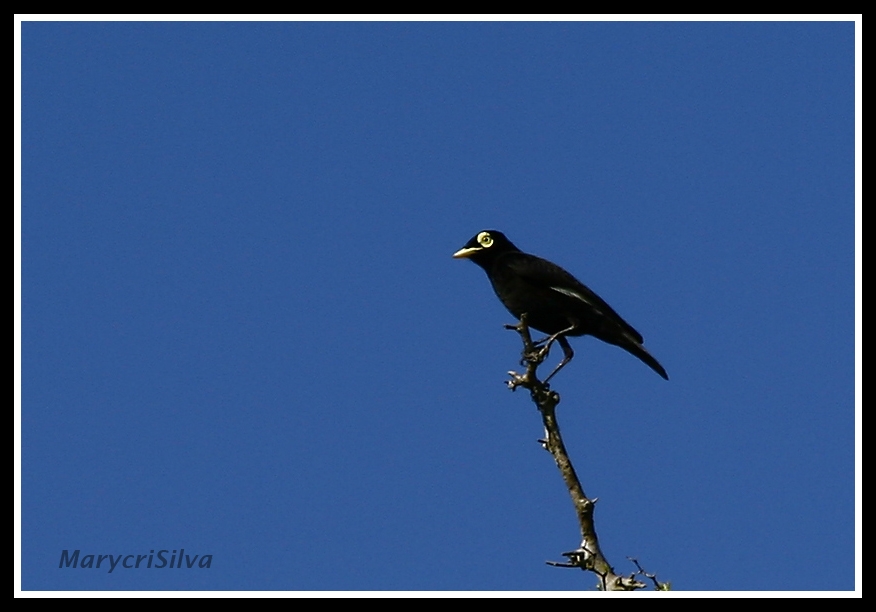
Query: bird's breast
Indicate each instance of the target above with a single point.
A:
(547, 310)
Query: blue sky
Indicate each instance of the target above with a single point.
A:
(242, 333)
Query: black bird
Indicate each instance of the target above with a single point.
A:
(554, 301)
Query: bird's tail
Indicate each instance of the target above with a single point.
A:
(639, 351)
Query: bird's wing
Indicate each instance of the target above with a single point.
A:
(547, 275)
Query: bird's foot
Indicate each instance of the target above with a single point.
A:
(535, 356)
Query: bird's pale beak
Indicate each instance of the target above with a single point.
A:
(465, 252)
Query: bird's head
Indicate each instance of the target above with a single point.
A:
(485, 247)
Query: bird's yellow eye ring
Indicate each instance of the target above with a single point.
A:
(485, 240)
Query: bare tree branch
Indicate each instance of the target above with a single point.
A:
(588, 556)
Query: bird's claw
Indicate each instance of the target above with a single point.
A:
(535, 356)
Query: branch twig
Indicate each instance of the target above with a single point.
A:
(588, 556)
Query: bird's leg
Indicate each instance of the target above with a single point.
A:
(550, 340)
(568, 353)
(541, 354)
(537, 355)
